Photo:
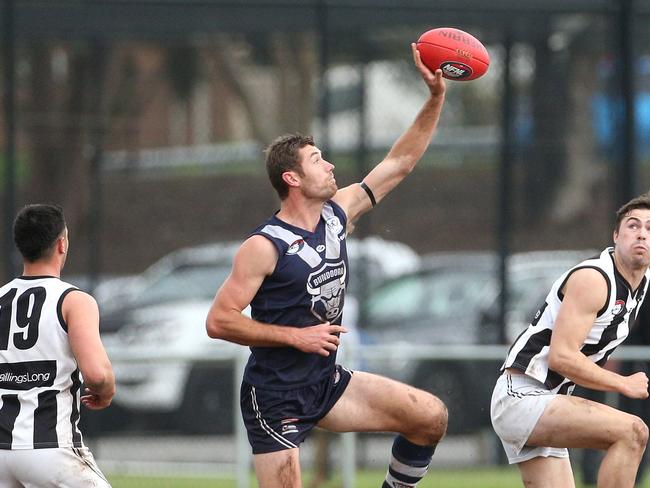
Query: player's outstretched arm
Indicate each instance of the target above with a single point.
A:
(405, 153)
(81, 314)
(255, 260)
(585, 294)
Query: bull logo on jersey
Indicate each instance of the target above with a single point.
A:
(326, 287)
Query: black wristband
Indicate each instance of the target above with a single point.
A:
(369, 193)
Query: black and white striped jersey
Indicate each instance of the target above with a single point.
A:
(529, 353)
(39, 377)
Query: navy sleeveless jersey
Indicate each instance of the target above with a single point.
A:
(306, 288)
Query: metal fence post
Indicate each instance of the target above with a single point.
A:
(349, 439)
(9, 112)
(243, 449)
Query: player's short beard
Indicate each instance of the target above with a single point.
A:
(325, 193)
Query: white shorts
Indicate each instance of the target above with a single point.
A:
(62, 467)
(518, 402)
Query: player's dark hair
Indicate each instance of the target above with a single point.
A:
(36, 229)
(282, 156)
(642, 201)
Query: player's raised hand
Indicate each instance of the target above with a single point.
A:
(635, 386)
(319, 339)
(434, 81)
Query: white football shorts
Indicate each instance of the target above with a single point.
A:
(62, 467)
(518, 402)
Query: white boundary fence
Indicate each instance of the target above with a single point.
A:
(351, 355)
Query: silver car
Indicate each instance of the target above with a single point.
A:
(454, 299)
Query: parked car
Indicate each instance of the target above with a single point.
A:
(454, 299)
(162, 317)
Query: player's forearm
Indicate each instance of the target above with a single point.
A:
(410, 147)
(235, 327)
(582, 371)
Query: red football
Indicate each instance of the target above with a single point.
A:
(458, 54)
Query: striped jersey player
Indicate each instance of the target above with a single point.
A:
(39, 377)
(587, 314)
(49, 337)
(529, 353)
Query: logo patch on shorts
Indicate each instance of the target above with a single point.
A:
(288, 426)
(337, 376)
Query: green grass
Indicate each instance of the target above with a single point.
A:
(502, 477)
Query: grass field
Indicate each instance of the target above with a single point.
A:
(475, 478)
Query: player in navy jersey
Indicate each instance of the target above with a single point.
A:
(585, 316)
(293, 272)
(49, 334)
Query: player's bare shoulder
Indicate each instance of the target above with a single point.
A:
(256, 252)
(587, 276)
(77, 297)
(587, 285)
(78, 302)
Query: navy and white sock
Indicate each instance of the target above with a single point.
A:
(408, 464)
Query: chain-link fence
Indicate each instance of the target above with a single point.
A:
(131, 114)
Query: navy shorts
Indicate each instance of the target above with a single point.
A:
(281, 419)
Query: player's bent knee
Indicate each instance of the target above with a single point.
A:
(635, 434)
(433, 424)
(440, 419)
(639, 433)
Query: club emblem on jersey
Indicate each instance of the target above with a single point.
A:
(619, 307)
(326, 287)
(295, 247)
(334, 225)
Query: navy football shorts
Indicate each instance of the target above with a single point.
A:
(281, 419)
